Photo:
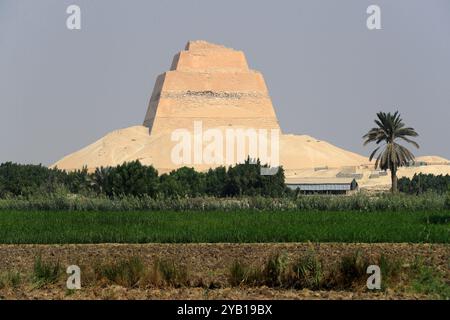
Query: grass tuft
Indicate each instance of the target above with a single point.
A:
(307, 272)
(126, 273)
(171, 274)
(241, 274)
(10, 279)
(45, 272)
(275, 270)
(429, 281)
(352, 270)
(132, 273)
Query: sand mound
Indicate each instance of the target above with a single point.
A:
(432, 160)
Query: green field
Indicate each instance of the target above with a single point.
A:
(237, 226)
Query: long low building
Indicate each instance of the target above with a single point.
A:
(322, 185)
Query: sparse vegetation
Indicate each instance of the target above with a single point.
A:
(243, 275)
(307, 272)
(429, 281)
(126, 273)
(280, 271)
(172, 274)
(46, 272)
(10, 279)
(349, 273)
(275, 271)
(352, 270)
(133, 273)
(391, 270)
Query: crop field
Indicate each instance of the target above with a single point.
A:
(62, 227)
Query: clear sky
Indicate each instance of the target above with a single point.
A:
(327, 74)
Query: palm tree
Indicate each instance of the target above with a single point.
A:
(99, 179)
(390, 127)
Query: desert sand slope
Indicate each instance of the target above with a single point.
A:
(114, 148)
(301, 156)
(303, 151)
(136, 143)
(433, 160)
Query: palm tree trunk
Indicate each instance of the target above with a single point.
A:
(394, 180)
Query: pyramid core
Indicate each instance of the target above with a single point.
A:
(212, 83)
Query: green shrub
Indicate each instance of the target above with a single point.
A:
(10, 279)
(352, 270)
(275, 270)
(307, 272)
(391, 269)
(45, 272)
(242, 274)
(428, 280)
(447, 201)
(172, 274)
(126, 273)
(238, 273)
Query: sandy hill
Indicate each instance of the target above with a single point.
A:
(213, 85)
(432, 160)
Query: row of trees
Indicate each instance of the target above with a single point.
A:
(135, 179)
(421, 183)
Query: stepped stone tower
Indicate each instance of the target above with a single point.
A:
(213, 84)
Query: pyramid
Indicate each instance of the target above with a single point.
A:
(213, 84)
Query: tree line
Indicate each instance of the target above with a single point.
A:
(422, 183)
(135, 179)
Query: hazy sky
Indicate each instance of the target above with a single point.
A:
(327, 74)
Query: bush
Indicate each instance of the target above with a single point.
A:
(429, 281)
(352, 270)
(242, 274)
(307, 272)
(390, 270)
(126, 273)
(275, 270)
(131, 178)
(10, 279)
(447, 202)
(172, 274)
(45, 272)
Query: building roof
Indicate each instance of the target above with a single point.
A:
(314, 181)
